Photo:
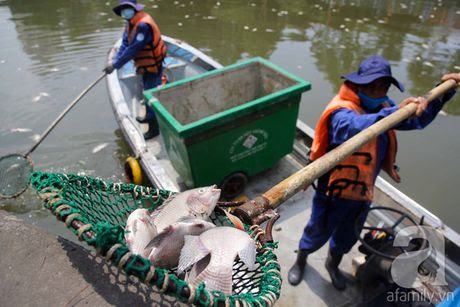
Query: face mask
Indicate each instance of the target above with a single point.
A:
(371, 103)
(127, 13)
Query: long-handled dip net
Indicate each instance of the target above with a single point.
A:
(15, 169)
(96, 211)
(15, 172)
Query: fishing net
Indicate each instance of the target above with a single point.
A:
(15, 173)
(96, 211)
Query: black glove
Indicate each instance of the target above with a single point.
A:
(108, 69)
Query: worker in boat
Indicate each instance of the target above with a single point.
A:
(142, 43)
(345, 192)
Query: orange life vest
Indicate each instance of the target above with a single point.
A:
(150, 58)
(354, 177)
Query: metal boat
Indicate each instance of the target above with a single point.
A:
(184, 61)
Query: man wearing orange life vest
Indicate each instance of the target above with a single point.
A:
(347, 190)
(142, 43)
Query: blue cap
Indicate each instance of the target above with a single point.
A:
(373, 68)
(132, 3)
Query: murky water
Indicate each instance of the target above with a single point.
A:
(51, 50)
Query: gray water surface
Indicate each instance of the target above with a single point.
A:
(51, 50)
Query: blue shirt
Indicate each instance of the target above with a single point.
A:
(128, 51)
(345, 123)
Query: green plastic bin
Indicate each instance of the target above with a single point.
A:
(225, 125)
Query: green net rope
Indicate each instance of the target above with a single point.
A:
(96, 211)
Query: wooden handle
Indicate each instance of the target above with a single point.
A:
(304, 177)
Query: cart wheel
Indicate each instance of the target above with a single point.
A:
(233, 185)
(133, 170)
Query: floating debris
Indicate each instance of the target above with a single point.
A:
(359, 21)
(343, 47)
(418, 58)
(347, 19)
(443, 113)
(218, 3)
(254, 29)
(176, 2)
(426, 63)
(253, 4)
(381, 21)
(211, 17)
(342, 26)
(35, 137)
(269, 30)
(246, 27)
(403, 6)
(109, 19)
(273, 10)
(186, 16)
(39, 96)
(425, 46)
(20, 130)
(300, 13)
(179, 24)
(155, 6)
(54, 69)
(457, 67)
(99, 147)
(102, 13)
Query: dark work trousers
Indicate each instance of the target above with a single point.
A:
(334, 219)
(151, 81)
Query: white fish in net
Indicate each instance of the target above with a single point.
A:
(166, 246)
(195, 203)
(223, 244)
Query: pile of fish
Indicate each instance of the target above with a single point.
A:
(179, 234)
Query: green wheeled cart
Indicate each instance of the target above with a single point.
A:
(225, 125)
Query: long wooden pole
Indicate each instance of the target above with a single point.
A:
(306, 176)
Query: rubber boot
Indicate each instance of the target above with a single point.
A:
(142, 120)
(153, 130)
(295, 274)
(332, 267)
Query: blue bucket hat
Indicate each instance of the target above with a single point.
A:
(373, 68)
(132, 3)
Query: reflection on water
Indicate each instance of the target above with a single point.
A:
(52, 49)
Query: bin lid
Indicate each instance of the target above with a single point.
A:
(171, 97)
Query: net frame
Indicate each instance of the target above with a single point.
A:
(96, 211)
(10, 176)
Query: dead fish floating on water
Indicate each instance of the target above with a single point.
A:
(20, 130)
(139, 231)
(212, 255)
(39, 96)
(195, 203)
(166, 246)
(99, 147)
